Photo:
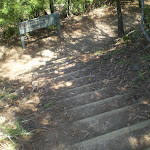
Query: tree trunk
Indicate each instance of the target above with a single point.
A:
(68, 8)
(51, 4)
(120, 21)
(140, 3)
(143, 21)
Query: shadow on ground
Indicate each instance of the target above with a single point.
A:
(85, 41)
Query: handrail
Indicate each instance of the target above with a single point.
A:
(142, 20)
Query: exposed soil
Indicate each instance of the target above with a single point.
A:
(87, 46)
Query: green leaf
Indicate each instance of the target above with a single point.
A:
(48, 104)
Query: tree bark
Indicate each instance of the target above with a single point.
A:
(68, 8)
(140, 3)
(51, 4)
(120, 21)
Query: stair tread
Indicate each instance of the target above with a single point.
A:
(119, 138)
(112, 120)
(88, 97)
(101, 106)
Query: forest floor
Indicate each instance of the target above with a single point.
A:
(32, 81)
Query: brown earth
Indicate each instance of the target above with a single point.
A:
(85, 59)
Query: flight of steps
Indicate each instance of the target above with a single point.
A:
(94, 102)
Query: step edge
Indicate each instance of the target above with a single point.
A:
(106, 113)
(117, 133)
(80, 95)
(99, 102)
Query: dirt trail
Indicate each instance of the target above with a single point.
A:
(70, 98)
(84, 34)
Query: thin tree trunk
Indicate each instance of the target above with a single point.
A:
(51, 6)
(120, 21)
(140, 3)
(68, 8)
(142, 21)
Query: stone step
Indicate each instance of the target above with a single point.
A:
(147, 148)
(55, 63)
(66, 85)
(71, 65)
(64, 67)
(82, 89)
(62, 63)
(70, 75)
(113, 120)
(135, 137)
(101, 106)
(59, 66)
(88, 97)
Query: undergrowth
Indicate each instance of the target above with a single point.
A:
(12, 134)
(133, 59)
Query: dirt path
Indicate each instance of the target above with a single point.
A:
(84, 34)
(73, 95)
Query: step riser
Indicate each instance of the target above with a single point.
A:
(58, 67)
(63, 86)
(64, 68)
(129, 138)
(70, 76)
(82, 89)
(113, 120)
(63, 63)
(56, 64)
(99, 107)
(86, 98)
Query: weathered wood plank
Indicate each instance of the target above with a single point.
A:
(38, 23)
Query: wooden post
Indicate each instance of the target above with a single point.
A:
(22, 41)
(58, 29)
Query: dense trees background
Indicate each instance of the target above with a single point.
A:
(13, 11)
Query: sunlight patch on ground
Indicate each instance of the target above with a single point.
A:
(134, 142)
(58, 72)
(60, 146)
(13, 68)
(7, 146)
(2, 119)
(67, 66)
(62, 84)
(46, 120)
(100, 11)
(146, 102)
(146, 138)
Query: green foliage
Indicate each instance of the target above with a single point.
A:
(126, 39)
(99, 52)
(140, 75)
(52, 27)
(12, 132)
(147, 16)
(17, 130)
(13, 11)
(47, 105)
(13, 97)
(3, 93)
